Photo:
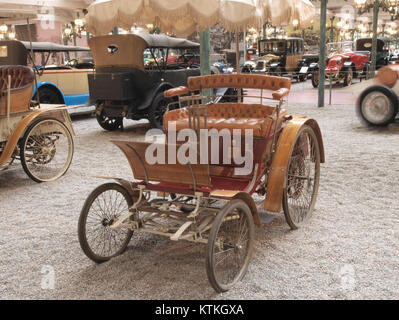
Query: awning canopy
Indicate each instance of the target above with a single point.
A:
(183, 17)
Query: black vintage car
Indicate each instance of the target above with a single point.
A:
(282, 56)
(383, 55)
(123, 86)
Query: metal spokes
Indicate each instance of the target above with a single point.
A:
(106, 208)
(302, 179)
(230, 245)
(47, 150)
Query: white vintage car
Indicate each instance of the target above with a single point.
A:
(378, 105)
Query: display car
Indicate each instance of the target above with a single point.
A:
(57, 84)
(39, 136)
(352, 61)
(282, 56)
(378, 105)
(343, 67)
(124, 87)
(383, 53)
(207, 199)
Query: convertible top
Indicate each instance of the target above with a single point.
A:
(127, 50)
(163, 41)
(365, 44)
(52, 47)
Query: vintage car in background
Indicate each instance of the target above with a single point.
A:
(124, 87)
(378, 105)
(343, 67)
(57, 84)
(39, 136)
(352, 60)
(383, 53)
(282, 56)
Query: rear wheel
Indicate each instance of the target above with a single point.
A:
(303, 174)
(230, 246)
(157, 110)
(102, 208)
(46, 150)
(109, 123)
(378, 106)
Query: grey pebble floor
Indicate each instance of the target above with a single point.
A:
(349, 249)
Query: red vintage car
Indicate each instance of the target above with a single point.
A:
(344, 67)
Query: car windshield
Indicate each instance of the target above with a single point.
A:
(272, 47)
(260, 65)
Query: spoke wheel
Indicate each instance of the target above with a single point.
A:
(348, 78)
(102, 208)
(230, 246)
(303, 174)
(46, 150)
(315, 79)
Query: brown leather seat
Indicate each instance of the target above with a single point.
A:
(22, 81)
(231, 116)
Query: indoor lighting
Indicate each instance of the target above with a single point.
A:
(3, 28)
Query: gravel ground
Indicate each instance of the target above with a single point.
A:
(349, 249)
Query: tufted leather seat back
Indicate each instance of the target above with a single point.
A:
(247, 81)
(21, 77)
(259, 118)
(226, 110)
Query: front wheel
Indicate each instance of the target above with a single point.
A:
(230, 246)
(102, 208)
(49, 96)
(315, 79)
(378, 106)
(46, 150)
(302, 179)
(348, 78)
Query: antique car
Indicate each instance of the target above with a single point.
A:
(383, 55)
(210, 196)
(39, 136)
(124, 87)
(378, 105)
(282, 56)
(57, 84)
(344, 67)
(345, 64)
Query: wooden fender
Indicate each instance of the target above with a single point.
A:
(388, 76)
(60, 114)
(278, 170)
